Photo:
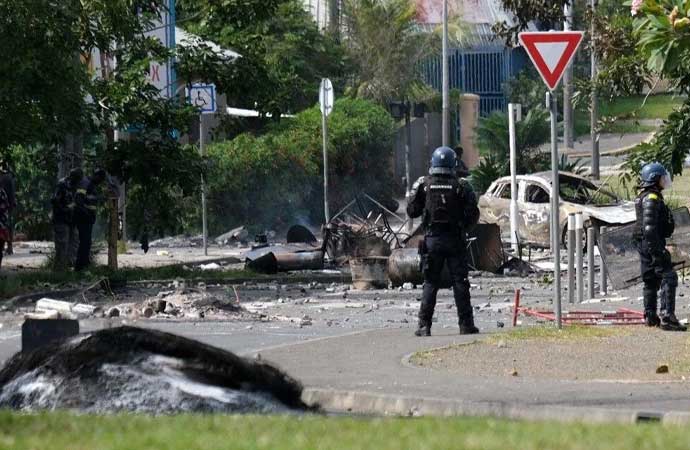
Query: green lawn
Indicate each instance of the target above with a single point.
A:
(64, 431)
(630, 109)
(656, 107)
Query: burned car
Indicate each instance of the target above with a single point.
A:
(577, 194)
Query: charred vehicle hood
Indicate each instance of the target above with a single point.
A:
(620, 214)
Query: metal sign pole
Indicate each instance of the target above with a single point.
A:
(512, 110)
(324, 123)
(204, 223)
(555, 213)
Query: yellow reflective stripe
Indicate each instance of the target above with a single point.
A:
(91, 207)
(81, 191)
(653, 196)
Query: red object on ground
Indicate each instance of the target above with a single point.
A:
(516, 308)
(622, 316)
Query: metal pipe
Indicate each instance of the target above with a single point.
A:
(204, 219)
(602, 272)
(591, 274)
(579, 263)
(571, 258)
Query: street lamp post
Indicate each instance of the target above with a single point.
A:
(445, 88)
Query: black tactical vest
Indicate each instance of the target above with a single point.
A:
(443, 202)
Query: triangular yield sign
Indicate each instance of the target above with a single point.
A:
(551, 52)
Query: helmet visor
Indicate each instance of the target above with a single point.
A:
(666, 181)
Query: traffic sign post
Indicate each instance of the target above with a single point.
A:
(203, 96)
(514, 115)
(551, 53)
(326, 99)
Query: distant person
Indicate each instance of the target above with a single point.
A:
(653, 226)
(462, 170)
(7, 205)
(448, 207)
(64, 230)
(85, 206)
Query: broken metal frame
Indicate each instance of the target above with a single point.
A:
(622, 316)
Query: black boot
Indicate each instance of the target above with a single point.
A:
(670, 323)
(651, 319)
(424, 329)
(467, 327)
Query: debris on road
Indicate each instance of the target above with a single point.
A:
(65, 309)
(235, 236)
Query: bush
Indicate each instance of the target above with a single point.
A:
(35, 170)
(275, 179)
(669, 147)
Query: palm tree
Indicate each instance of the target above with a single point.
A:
(387, 45)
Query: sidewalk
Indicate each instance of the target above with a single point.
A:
(368, 373)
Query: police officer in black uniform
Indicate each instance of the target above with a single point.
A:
(63, 219)
(86, 204)
(655, 224)
(448, 207)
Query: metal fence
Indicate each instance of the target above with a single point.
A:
(622, 259)
(482, 72)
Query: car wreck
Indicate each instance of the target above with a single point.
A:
(577, 195)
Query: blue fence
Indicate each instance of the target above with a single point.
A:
(482, 72)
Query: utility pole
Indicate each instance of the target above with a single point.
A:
(334, 17)
(568, 128)
(408, 147)
(445, 88)
(594, 107)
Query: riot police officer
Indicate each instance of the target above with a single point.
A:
(653, 226)
(63, 219)
(448, 207)
(86, 201)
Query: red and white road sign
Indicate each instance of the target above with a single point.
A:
(551, 52)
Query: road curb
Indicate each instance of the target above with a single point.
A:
(369, 403)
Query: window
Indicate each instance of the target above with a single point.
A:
(580, 191)
(536, 194)
(504, 192)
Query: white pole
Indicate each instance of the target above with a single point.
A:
(324, 123)
(513, 178)
(571, 258)
(579, 262)
(445, 134)
(204, 223)
(555, 213)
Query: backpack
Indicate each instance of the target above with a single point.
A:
(443, 202)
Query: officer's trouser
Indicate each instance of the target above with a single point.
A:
(84, 251)
(65, 245)
(656, 275)
(451, 250)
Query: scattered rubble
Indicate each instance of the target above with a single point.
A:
(179, 241)
(234, 236)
